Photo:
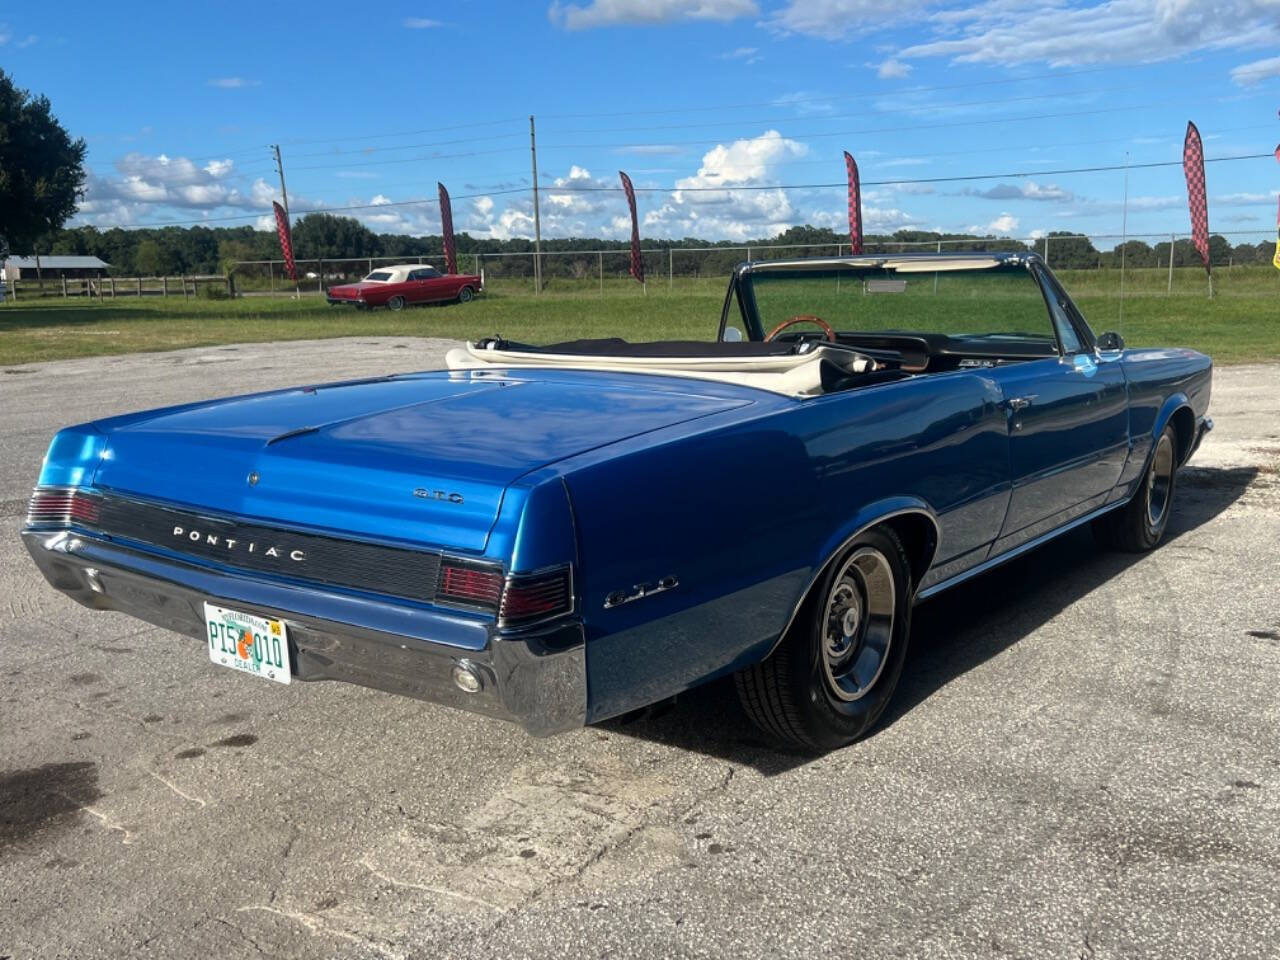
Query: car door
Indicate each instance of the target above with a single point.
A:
(416, 286)
(440, 286)
(1068, 430)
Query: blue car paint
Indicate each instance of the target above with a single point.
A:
(741, 495)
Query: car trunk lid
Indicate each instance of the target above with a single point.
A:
(422, 460)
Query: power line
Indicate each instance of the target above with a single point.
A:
(409, 146)
(725, 189)
(899, 129)
(832, 99)
(404, 133)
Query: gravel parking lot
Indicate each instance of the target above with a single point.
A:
(1083, 760)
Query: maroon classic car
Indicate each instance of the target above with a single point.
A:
(406, 283)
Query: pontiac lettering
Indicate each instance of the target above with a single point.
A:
(232, 544)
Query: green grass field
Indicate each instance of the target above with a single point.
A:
(1240, 324)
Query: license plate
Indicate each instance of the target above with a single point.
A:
(253, 645)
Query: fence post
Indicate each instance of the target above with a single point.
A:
(1046, 250)
(164, 285)
(320, 274)
(370, 266)
(64, 286)
(184, 288)
(748, 253)
(1172, 240)
(113, 288)
(139, 288)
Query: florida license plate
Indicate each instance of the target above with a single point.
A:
(254, 645)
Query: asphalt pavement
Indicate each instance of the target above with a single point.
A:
(1083, 759)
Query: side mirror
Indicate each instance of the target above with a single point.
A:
(1111, 341)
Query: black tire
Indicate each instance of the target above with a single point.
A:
(466, 295)
(1138, 526)
(799, 695)
(396, 303)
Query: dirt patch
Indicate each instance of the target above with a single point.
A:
(40, 801)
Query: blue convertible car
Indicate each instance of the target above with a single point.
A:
(560, 534)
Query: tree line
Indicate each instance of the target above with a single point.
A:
(208, 250)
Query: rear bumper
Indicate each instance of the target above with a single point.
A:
(535, 679)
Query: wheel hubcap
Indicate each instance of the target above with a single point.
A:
(858, 624)
(1160, 481)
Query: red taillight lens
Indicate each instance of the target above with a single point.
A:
(536, 596)
(62, 508)
(472, 585)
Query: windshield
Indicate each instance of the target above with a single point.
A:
(976, 300)
(379, 276)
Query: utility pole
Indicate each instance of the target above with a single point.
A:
(284, 195)
(537, 213)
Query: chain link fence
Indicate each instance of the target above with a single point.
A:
(1146, 263)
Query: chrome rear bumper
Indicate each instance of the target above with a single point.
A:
(536, 679)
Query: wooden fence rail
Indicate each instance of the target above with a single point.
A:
(112, 287)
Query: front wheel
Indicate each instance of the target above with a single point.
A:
(466, 295)
(1139, 525)
(396, 303)
(833, 674)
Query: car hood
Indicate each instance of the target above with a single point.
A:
(423, 458)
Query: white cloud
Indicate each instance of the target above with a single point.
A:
(233, 83)
(420, 23)
(1002, 226)
(805, 104)
(1112, 31)
(27, 41)
(747, 54)
(1244, 199)
(695, 208)
(612, 13)
(1024, 191)
(1252, 74)
(833, 19)
(6, 34)
(892, 69)
(218, 168)
(355, 175)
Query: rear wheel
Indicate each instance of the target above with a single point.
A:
(466, 295)
(1139, 525)
(834, 672)
(396, 303)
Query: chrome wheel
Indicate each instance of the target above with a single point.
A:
(396, 303)
(858, 624)
(1160, 481)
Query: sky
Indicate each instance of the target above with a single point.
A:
(941, 103)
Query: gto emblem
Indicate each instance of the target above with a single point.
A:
(232, 544)
(422, 493)
(639, 591)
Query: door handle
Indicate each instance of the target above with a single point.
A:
(1018, 403)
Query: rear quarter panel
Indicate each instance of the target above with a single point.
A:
(745, 513)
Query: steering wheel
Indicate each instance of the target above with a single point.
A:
(802, 318)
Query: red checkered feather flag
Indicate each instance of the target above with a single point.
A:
(637, 262)
(286, 241)
(446, 227)
(855, 205)
(1193, 168)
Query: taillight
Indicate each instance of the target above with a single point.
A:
(536, 596)
(470, 584)
(518, 600)
(62, 507)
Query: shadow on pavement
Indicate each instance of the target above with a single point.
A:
(951, 634)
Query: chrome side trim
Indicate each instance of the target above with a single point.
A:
(1022, 548)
